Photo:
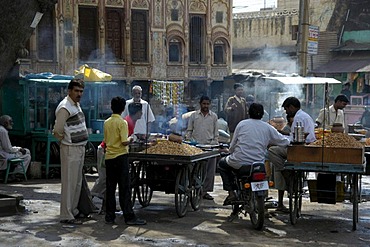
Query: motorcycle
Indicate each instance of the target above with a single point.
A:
(252, 191)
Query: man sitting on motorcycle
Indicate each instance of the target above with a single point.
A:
(249, 144)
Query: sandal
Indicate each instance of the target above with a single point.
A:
(207, 196)
(71, 222)
(282, 209)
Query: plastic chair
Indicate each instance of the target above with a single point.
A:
(14, 162)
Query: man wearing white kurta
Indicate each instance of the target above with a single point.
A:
(142, 124)
(7, 151)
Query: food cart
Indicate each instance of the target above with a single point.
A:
(182, 175)
(330, 162)
(32, 100)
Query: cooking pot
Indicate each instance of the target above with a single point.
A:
(337, 128)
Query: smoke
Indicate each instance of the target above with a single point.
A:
(270, 60)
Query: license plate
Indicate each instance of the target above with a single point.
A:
(258, 186)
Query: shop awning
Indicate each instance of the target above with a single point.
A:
(298, 80)
(344, 66)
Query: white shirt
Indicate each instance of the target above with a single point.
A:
(331, 117)
(307, 123)
(141, 124)
(250, 141)
(203, 129)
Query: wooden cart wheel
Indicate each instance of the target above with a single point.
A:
(198, 176)
(182, 191)
(295, 197)
(143, 190)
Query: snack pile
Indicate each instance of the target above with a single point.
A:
(173, 148)
(340, 140)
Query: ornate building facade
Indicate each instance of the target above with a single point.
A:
(137, 40)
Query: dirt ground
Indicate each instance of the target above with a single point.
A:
(321, 224)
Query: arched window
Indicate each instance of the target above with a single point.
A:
(174, 51)
(88, 33)
(197, 39)
(139, 35)
(219, 52)
(114, 34)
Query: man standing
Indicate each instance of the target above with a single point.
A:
(202, 128)
(7, 151)
(117, 167)
(335, 113)
(70, 129)
(249, 145)
(143, 124)
(277, 155)
(236, 108)
(346, 90)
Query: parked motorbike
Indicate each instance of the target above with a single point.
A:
(252, 191)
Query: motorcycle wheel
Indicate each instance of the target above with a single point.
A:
(257, 211)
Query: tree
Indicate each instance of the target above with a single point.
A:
(16, 17)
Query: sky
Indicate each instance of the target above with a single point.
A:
(252, 5)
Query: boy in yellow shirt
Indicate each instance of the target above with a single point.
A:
(117, 166)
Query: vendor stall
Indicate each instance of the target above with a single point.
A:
(329, 162)
(159, 168)
(32, 100)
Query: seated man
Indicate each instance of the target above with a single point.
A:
(7, 151)
(278, 155)
(249, 144)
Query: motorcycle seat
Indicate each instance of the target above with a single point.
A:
(246, 170)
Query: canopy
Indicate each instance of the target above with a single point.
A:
(298, 80)
(92, 75)
(48, 77)
(344, 66)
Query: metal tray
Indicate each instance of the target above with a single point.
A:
(173, 159)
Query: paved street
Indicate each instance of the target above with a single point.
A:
(321, 224)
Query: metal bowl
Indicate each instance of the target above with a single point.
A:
(357, 136)
(361, 131)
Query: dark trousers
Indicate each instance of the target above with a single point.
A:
(117, 171)
(226, 172)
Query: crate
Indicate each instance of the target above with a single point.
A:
(312, 187)
(303, 153)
